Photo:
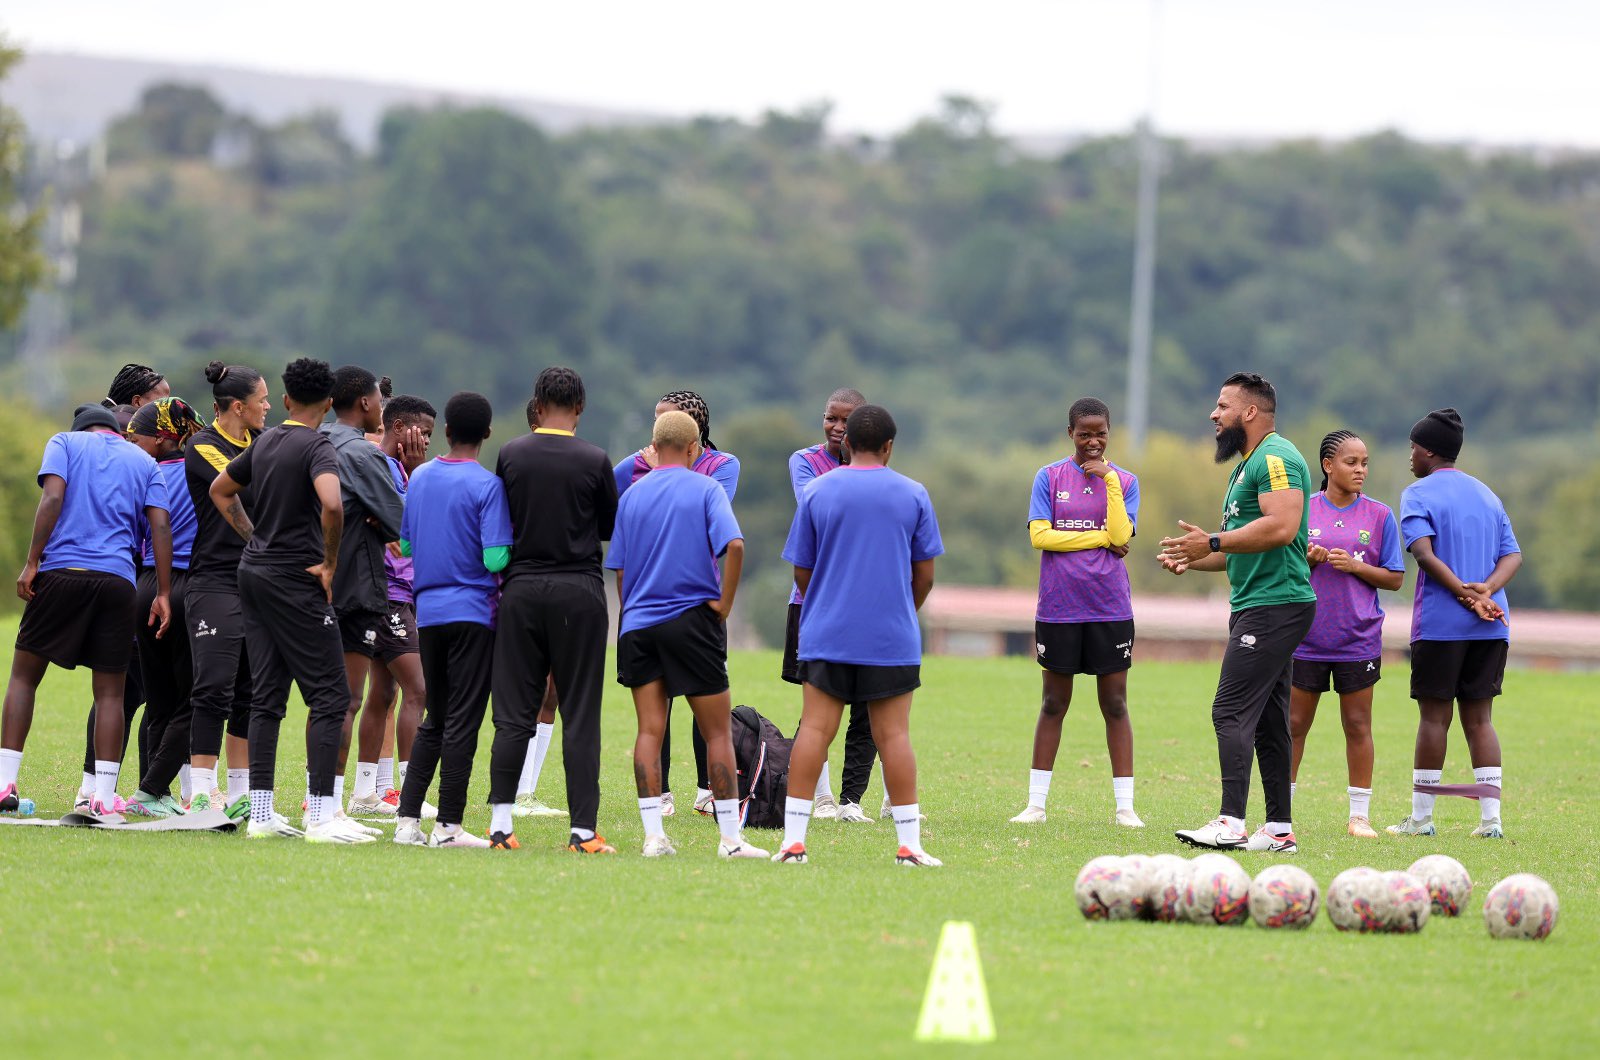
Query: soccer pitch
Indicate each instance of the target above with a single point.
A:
(184, 944)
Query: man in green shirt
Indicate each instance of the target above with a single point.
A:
(1262, 547)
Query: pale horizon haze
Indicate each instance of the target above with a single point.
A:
(1473, 70)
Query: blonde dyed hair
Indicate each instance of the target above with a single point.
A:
(675, 430)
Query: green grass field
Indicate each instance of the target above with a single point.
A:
(183, 944)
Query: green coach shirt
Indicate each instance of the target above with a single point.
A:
(1281, 575)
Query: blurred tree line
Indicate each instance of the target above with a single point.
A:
(973, 288)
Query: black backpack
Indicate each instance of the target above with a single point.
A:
(762, 754)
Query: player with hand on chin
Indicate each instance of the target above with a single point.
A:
(1460, 631)
(1082, 516)
(1262, 546)
(1354, 551)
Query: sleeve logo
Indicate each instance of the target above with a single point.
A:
(1277, 473)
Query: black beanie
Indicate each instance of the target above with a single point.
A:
(1440, 432)
(87, 417)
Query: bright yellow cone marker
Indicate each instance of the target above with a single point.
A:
(956, 1006)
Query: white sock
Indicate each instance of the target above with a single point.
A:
(1122, 791)
(385, 775)
(105, 781)
(500, 817)
(727, 811)
(446, 830)
(530, 761)
(87, 787)
(400, 771)
(796, 817)
(366, 779)
(1038, 787)
(701, 795)
(238, 783)
(10, 766)
(1279, 828)
(186, 783)
(583, 834)
(1360, 801)
(541, 740)
(1235, 823)
(1293, 787)
(650, 814)
(824, 787)
(308, 789)
(908, 826)
(338, 789)
(1422, 805)
(204, 780)
(1489, 809)
(261, 806)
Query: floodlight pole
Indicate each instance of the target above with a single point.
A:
(1144, 260)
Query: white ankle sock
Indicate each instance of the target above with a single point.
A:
(1038, 787)
(105, 781)
(1293, 787)
(530, 759)
(385, 782)
(1488, 809)
(1279, 828)
(1122, 791)
(338, 789)
(186, 783)
(727, 811)
(400, 772)
(908, 826)
(1235, 823)
(238, 783)
(1360, 801)
(87, 787)
(1422, 805)
(261, 806)
(650, 814)
(701, 794)
(500, 817)
(823, 786)
(583, 834)
(366, 779)
(796, 818)
(204, 780)
(542, 734)
(316, 810)
(10, 767)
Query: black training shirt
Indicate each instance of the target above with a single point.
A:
(214, 562)
(563, 500)
(280, 467)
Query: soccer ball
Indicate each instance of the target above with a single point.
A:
(1521, 907)
(1447, 882)
(1218, 891)
(1406, 905)
(1106, 890)
(1284, 896)
(1353, 900)
(1137, 868)
(1165, 878)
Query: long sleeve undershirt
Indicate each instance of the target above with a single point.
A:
(1118, 531)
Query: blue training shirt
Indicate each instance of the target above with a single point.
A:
(858, 530)
(110, 482)
(1471, 532)
(454, 510)
(671, 526)
(180, 514)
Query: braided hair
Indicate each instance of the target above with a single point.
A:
(130, 382)
(695, 405)
(1330, 445)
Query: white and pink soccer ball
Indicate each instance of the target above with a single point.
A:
(1521, 907)
(1356, 898)
(1284, 896)
(1447, 881)
(1107, 889)
(1166, 876)
(1217, 892)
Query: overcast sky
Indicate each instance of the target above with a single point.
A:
(1500, 71)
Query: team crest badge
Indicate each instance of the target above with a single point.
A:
(1365, 537)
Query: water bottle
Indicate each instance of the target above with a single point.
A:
(25, 807)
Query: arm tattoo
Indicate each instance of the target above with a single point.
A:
(237, 519)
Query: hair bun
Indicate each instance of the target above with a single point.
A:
(215, 370)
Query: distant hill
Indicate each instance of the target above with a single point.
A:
(74, 97)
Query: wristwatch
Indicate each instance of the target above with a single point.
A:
(1216, 542)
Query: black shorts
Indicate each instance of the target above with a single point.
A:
(1457, 669)
(397, 633)
(791, 646)
(359, 630)
(80, 618)
(859, 683)
(1346, 675)
(689, 653)
(1096, 648)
